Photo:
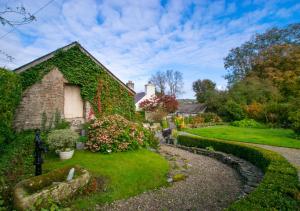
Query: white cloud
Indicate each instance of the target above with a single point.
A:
(136, 38)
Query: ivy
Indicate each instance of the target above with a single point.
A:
(10, 89)
(79, 69)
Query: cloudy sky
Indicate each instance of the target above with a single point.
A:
(134, 38)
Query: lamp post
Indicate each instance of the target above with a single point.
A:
(39, 148)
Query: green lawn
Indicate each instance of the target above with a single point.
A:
(127, 173)
(274, 137)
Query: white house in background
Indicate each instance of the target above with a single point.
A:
(141, 96)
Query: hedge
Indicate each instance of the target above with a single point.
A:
(279, 189)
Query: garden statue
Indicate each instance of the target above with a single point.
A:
(39, 148)
(167, 136)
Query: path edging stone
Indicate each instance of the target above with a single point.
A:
(250, 174)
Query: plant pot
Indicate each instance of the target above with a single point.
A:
(79, 145)
(66, 155)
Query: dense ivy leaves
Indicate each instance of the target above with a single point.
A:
(10, 89)
(105, 93)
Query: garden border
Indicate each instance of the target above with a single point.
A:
(279, 188)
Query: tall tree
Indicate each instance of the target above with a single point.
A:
(175, 82)
(239, 61)
(204, 89)
(159, 80)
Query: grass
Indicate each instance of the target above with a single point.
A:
(266, 136)
(127, 173)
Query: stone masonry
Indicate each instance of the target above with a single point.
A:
(44, 96)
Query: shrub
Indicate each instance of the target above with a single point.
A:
(11, 90)
(249, 123)
(164, 124)
(62, 140)
(233, 111)
(279, 188)
(294, 117)
(179, 122)
(115, 133)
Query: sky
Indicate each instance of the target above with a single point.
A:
(135, 39)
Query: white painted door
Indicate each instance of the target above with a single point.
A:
(73, 103)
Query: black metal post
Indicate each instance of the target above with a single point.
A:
(39, 148)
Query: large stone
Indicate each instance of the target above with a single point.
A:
(52, 185)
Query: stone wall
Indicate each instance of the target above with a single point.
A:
(44, 96)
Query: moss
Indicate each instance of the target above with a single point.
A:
(179, 177)
(38, 183)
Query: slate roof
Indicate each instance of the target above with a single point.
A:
(194, 108)
(51, 54)
(139, 96)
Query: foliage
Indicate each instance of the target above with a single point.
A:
(62, 139)
(203, 118)
(139, 116)
(11, 91)
(164, 124)
(167, 103)
(266, 136)
(204, 89)
(115, 133)
(249, 123)
(126, 174)
(240, 61)
(16, 164)
(295, 119)
(233, 111)
(279, 187)
(106, 95)
(179, 122)
(83, 139)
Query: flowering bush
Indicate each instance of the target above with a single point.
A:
(62, 139)
(115, 133)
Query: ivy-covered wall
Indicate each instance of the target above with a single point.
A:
(106, 94)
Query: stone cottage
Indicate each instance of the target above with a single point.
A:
(71, 82)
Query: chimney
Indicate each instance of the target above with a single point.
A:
(130, 84)
(150, 89)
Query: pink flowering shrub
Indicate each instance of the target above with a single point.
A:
(115, 133)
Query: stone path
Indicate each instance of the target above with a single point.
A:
(210, 185)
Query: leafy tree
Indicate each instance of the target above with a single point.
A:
(239, 62)
(204, 89)
(167, 103)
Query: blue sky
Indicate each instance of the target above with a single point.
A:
(134, 39)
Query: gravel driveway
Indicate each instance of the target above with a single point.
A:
(210, 185)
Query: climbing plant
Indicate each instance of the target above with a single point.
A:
(10, 89)
(106, 94)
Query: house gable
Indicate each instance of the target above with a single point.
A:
(105, 92)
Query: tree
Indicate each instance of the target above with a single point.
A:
(170, 79)
(239, 61)
(174, 81)
(204, 89)
(167, 103)
(159, 80)
(21, 16)
(14, 17)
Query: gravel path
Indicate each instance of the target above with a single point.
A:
(210, 185)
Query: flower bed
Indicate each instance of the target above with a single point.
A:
(279, 189)
(115, 133)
